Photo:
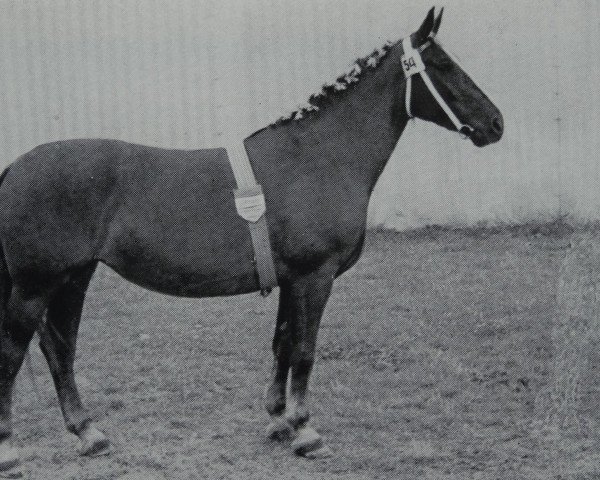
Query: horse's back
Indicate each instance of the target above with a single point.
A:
(135, 207)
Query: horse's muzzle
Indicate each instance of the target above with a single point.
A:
(486, 136)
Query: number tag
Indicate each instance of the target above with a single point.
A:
(412, 63)
(250, 203)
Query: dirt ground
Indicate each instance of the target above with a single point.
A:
(443, 355)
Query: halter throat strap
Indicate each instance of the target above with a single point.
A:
(412, 64)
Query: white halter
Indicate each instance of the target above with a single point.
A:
(413, 64)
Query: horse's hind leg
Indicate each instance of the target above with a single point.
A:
(58, 339)
(23, 315)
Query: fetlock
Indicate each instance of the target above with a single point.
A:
(298, 417)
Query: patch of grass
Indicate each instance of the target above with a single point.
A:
(557, 228)
(431, 355)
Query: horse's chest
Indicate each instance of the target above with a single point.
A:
(308, 245)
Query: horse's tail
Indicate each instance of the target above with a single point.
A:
(5, 280)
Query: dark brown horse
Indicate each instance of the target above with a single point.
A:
(166, 220)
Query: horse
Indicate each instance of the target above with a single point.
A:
(165, 219)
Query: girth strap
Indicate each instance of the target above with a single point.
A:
(251, 206)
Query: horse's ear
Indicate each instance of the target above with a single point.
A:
(436, 24)
(422, 34)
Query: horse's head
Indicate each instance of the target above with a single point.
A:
(438, 90)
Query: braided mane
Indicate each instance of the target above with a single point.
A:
(342, 84)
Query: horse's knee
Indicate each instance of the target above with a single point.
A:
(281, 346)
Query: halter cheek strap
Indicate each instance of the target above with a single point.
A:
(412, 64)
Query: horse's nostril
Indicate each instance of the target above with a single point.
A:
(497, 125)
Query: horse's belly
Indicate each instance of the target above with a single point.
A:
(199, 262)
(190, 284)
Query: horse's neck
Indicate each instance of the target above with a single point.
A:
(359, 131)
(372, 123)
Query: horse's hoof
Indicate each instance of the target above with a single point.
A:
(9, 461)
(308, 443)
(279, 429)
(319, 453)
(93, 443)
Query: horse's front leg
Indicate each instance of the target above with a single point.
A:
(302, 303)
(280, 428)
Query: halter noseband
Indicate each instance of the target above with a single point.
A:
(412, 63)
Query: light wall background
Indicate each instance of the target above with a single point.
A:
(186, 73)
